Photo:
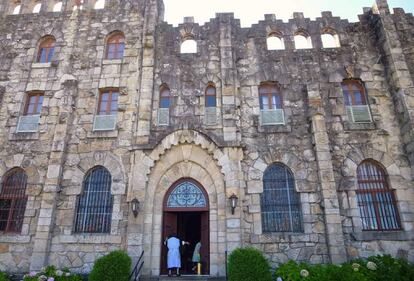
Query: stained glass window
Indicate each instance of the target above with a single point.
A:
(186, 195)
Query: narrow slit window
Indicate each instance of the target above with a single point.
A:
(211, 100)
(165, 97)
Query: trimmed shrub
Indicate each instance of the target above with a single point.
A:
(248, 264)
(4, 277)
(114, 266)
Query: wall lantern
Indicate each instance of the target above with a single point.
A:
(135, 206)
(233, 202)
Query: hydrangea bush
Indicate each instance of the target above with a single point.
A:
(50, 273)
(376, 268)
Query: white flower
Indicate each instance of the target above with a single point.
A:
(59, 272)
(67, 274)
(371, 265)
(356, 266)
(279, 279)
(304, 273)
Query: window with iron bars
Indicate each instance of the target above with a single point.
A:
(376, 201)
(280, 203)
(13, 201)
(94, 205)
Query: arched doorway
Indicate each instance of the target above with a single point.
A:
(186, 214)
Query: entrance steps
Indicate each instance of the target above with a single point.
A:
(183, 278)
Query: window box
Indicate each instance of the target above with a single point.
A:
(28, 124)
(272, 117)
(210, 116)
(104, 123)
(163, 116)
(359, 113)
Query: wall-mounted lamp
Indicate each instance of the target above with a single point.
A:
(233, 202)
(135, 206)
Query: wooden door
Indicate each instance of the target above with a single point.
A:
(169, 227)
(205, 243)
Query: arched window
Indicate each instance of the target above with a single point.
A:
(210, 112)
(210, 96)
(330, 39)
(36, 8)
(275, 42)
(164, 107)
(16, 9)
(165, 96)
(13, 200)
(100, 4)
(356, 101)
(280, 203)
(303, 40)
(46, 49)
(376, 201)
(94, 205)
(115, 46)
(57, 7)
(188, 46)
(271, 104)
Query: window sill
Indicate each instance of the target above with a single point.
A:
(14, 238)
(350, 126)
(103, 134)
(395, 235)
(41, 65)
(277, 237)
(274, 129)
(24, 136)
(90, 238)
(114, 61)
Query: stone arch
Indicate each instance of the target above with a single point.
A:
(185, 160)
(35, 176)
(299, 170)
(190, 137)
(85, 162)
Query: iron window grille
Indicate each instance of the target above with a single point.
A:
(13, 201)
(376, 201)
(94, 205)
(280, 203)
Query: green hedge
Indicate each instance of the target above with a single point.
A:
(4, 277)
(376, 268)
(114, 266)
(248, 264)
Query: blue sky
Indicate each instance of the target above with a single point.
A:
(251, 11)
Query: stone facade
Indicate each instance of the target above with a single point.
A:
(319, 143)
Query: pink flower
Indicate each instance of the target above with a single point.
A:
(32, 273)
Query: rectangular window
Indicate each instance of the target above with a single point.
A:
(108, 102)
(34, 104)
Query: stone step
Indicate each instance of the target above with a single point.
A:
(183, 278)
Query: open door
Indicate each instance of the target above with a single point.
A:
(170, 227)
(205, 243)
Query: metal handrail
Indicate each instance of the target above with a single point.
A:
(135, 274)
(226, 265)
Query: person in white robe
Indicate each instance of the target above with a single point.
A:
(173, 256)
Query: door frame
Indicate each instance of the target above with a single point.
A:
(167, 209)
